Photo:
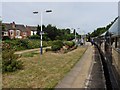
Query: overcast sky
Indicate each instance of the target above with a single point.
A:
(84, 15)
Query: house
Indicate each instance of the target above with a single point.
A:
(5, 28)
(32, 30)
(13, 30)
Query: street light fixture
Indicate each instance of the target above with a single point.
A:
(41, 33)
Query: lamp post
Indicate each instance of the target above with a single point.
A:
(74, 33)
(41, 33)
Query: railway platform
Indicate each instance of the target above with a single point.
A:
(87, 73)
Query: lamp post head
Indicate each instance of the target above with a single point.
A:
(35, 12)
(48, 11)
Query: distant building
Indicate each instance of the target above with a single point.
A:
(13, 30)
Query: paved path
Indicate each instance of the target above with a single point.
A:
(77, 76)
(30, 50)
(24, 51)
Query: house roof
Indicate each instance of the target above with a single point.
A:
(33, 28)
(8, 26)
(20, 27)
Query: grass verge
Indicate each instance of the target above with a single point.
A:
(42, 71)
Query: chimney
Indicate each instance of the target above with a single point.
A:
(13, 25)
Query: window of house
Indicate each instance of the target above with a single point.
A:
(31, 32)
(24, 33)
(17, 33)
(11, 32)
(5, 33)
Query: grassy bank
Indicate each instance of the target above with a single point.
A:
(42, 71)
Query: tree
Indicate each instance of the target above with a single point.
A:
(3, 27)
(39, 29)
(53, 33)
(101, 30)
(68, 31)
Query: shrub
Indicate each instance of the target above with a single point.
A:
(9, 59)
(11, 65)
(5, 38)
(49, 43)
(22, 44)
(58, 42)
(33, 44)
(17, 44)
(34, 37)
(45, 44)
(70, 44)
(57, 45)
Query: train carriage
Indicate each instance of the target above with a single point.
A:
(109, 44)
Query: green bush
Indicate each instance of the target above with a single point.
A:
(34, 37)
(11, 65)
(49, 43)
(17, 44)
(33, 44)
(9, 60)
(22, 44)
(70, 44)
(57, 45)
(58, 42)
(5, 38)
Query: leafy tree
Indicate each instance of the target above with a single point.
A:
(39, 29)
(3, 27)
(101, 30)
(53, 33)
